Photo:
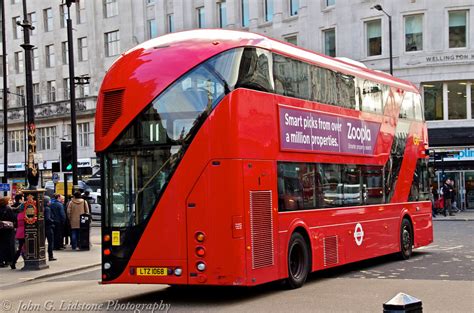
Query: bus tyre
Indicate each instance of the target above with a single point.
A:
(406, 239)
(298, 261)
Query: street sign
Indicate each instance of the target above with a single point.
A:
(4, 187)
(55, 177)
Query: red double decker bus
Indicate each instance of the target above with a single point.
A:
(229, 158)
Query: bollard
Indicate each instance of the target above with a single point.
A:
(403, 303)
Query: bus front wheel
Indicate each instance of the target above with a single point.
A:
(406, 239)
(298, 261)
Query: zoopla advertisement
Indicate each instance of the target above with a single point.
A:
(305, 130)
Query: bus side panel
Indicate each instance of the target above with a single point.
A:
(215, 208)
(260, 205)
(422, 224)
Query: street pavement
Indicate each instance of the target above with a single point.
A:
(67, 261)
(441, 275)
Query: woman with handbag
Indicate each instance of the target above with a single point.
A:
(7, 232)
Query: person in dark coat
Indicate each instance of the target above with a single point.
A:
(448, 195)
(59, 217)
(49, 227)
(7, 233)
(18, 201)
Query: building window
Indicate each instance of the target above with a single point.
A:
(16, 141)
(34, 23)
(457, 103)
(152, 29)
(414, 32)
(64, 16)
(36, 94)
(457, 29)
(170, 23)
(34, 59)
(433, 100)
(83, 132)
(15, 1)
(294, 6)
(292, 39)
(80, 12)
(16, 29)
(48, 19)
(222, 10)
(46, 138)
(50, 59)
(51, 86)
(82, 49)
(112, 43)
(65, 50)
(374, 37)
(110, 8)
(148, 2)
(200, 17)
(329, 36)
(268, 10)
(66, 88)
(245, 13)
(20, 91)
(330, 3)
(83, 90)
(19, 62)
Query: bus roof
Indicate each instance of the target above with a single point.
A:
(172, 55)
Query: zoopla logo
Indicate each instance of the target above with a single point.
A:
(466, 153)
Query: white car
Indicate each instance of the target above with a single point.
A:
(96, 209)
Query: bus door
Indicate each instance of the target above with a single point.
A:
(260, 206)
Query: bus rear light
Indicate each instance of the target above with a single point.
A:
(178, 271)
(200, 237)
(107, 252)
(106, 238)
(107, 266)
(200, 251)
(201, 266)
(104, 276)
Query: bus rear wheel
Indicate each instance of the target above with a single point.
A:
(298, 261)
(406, 239)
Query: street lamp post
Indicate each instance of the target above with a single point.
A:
(72, 93)
(378, 7)
(5, 100)
(35, 254)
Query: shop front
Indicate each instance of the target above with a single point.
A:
(458, 165)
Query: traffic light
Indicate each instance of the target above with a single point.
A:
(66, 156)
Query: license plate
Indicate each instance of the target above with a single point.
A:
(152, 271)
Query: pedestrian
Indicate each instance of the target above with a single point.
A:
(49, 227)
(76, 207)
(67, 224)
(7, 232)
(18, 201)
(20, 233)
(59, 217)
(86, 196)
(448, 194)
(433, 198)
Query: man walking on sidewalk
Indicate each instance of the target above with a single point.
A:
(76, 207)
(59, 218)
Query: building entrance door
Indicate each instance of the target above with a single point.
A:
(458, 178)
(469, 183)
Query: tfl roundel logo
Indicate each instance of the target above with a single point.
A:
(358, 234)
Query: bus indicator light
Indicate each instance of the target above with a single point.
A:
(201, 266)
(200, 237)
(200, 251)
(106, 238)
